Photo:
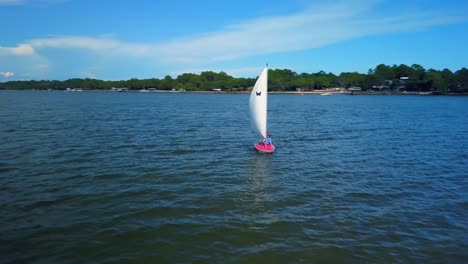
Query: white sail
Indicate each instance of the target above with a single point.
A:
(258, 104)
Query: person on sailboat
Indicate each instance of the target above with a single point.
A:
(267, 140)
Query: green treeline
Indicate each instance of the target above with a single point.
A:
(382, 77)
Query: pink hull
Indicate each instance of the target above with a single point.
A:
(264, 148)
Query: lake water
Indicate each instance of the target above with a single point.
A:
(173, 177)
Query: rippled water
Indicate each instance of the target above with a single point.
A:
(173, 177)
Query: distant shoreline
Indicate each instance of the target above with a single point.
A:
(319, 92)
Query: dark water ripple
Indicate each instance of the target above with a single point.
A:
(115, 177)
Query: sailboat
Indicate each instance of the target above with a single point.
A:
(258, 111)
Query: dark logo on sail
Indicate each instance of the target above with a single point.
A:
(258, 93)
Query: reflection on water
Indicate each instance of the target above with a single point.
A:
(260, 172)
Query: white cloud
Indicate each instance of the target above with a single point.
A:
(20, 50)
(101, 45)
(7, 74)
(76, 42)
(312, 28)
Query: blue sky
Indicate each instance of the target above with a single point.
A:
(119, 40)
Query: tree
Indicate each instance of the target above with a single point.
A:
(349, 79)
(167, 83)
(189, 82)
(418, 71)
(461, 78)
(436, 81)
(281, 79)
(383, 72)
(403, 71)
